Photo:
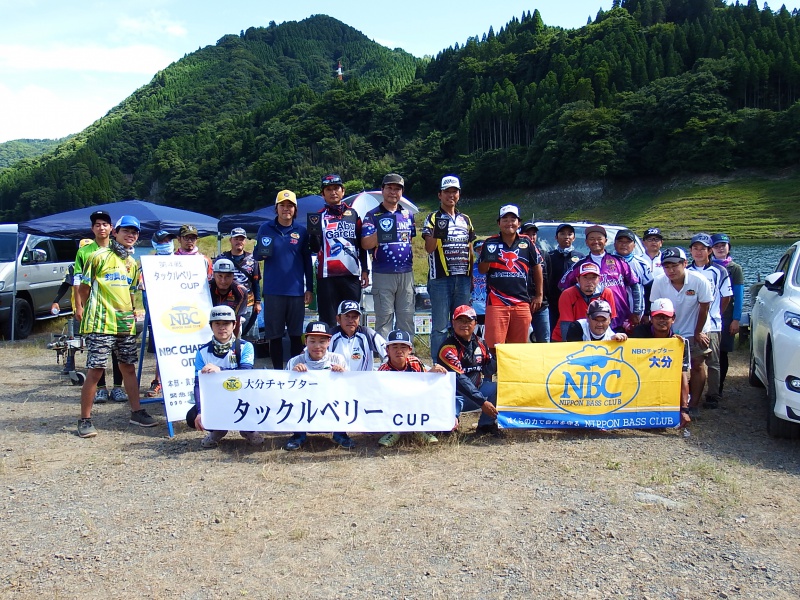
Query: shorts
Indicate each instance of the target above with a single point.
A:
(282, 312)
(100, 346)
(698, 353)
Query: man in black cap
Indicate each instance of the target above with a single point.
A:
(357, 343)
(387, 233)
(596, 327)
(624, 246)
(561, 260)
(334, 235)
(540, 320)
(247, 273)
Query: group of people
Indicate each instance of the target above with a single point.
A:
(504, 283)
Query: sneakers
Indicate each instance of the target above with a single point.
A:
(253, 438)
(118, 395)
(142, 418)
(491, 429)
(344, 441)
(86, 429)
(155, 389)
(101, 396)
(389, 440)
(212, 439)
(426, 438)
(712, 401)
(295, 442)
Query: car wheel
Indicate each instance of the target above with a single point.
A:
(24, 317)
(777, 427)
(752, 378)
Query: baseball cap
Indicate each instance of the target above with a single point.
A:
(346, 306)
(161, 236)
(625, 233)
(128, 221)
(318, 328)
(84, 242)
(662, 306)
(599, 307)
(596, 229)
(528, 225)
(508, 209)
(100, 214)
(187, 230)
(670, 255)
(701, 238)
(331, 179)
(395, 179)
(398, 336)
(224, 265)
(589, 268)
(465, 311)
(284, 195)
(653, 232)
(238, 232)
(222, 313)
(565, 226)
(449, 181)
(718, 238)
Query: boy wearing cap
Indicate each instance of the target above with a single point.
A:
(334, 235)
(357, 343)
(614, 274)
(596, 327)
(447, 234)
(225, 291)
(721, 284)
(513, 270)
(222, 353)
(108, 283)
(288, 276)
(466, 354)
(662, 318)
(652, 240)
(574, 302)
(101, 228)
(400, 357)
(691, 296)
(187, 246)
(562, 259)
(387, 232)
(247, 272)
(317, 357)
(721, 246)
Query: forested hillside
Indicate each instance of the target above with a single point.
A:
(649, 88)
(15, 150)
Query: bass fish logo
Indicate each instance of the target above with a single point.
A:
(232, 384)
(593, 380)
(184, 319)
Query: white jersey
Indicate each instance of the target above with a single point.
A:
(720, 282)
(360, 349)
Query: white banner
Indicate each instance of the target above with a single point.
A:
(324, 401)
(179, 303)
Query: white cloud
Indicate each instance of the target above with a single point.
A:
(40, 113)
(127, 59)
(156, 23)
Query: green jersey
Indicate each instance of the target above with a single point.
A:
(109, 309)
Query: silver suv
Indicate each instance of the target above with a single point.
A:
(32, 268)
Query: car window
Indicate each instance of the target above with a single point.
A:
(785, 261)
(65, 250)
(796, 276)
(37, 242)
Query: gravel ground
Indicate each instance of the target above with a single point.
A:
(545, 514)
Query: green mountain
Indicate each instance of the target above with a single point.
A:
(651, 88)
(15, 150)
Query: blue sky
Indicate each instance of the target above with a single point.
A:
(66, 63)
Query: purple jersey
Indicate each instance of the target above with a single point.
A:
(392, 257)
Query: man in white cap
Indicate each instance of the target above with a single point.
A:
(358, 343)
(596, 327)
(448, 234)
(387, 232)
(662, 317)
(513, 268)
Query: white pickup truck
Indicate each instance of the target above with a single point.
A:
(32, 268)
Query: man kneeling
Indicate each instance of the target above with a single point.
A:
(224, 352)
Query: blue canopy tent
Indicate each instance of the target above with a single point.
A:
(251, 221)
(75, 224)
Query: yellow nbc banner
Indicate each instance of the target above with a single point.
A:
(598, 385)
